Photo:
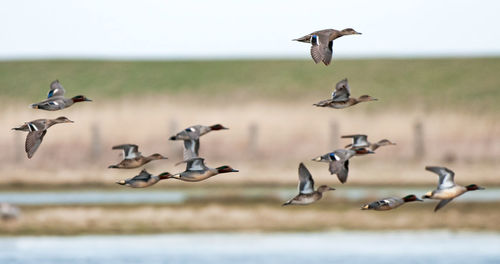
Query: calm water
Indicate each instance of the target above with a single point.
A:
(335, 247)
(142, 196)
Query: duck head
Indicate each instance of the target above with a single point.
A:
(473, 187)
(63, 119)
(324, 188)
(218, 127)
(411, 198)
(80, 98)
(349, 31)
(226, 169)
(165, 175)
(366, 98)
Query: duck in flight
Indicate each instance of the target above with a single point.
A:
(196, 170)
(132, 158)
(36, 131)
(339, 162)
(322, 43)
(191, 137)
(56, 100)
(390, 203)
(307, 194)
(144, 179)
(341, 97)
(362, 146)
(447, 190)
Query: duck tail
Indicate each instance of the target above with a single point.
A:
(172, 138)
(287, 203)
(34, 106)
(112, 167)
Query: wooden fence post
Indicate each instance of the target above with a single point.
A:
(253, 136)
(419, 142)
(334, 134)
(95, 142)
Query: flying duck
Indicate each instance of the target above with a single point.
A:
(191, 137)
(56, 100)
(447, 190)
(144, 179)
(36, 131)
(339, 162)
(361, 144)
(390, 203)
(196, 170)
(341, 97)
(322, 43)
(132, 158)
(307, 194)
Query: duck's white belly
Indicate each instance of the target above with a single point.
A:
(449, 193)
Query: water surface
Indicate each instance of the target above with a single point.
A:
(216, 248)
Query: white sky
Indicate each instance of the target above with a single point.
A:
(244, 29)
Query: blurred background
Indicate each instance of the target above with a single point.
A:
(153, 68)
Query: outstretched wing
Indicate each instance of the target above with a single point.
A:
(316, 54)
(306, 182)
(358, 140)
(342, 91)
(446, 176)
(341, 168)
(33, 141)
(327, 52)
(56, 89)
(143, 176)
(194, 164)
(130, 151)
(191, 148)
(442, 204)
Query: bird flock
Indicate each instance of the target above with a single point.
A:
(196, 170)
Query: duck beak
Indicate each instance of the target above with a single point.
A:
(87, 99)
(233, 170)
(481, 188)
(418, 199)
(71, 121)
(331, 189)
(359, 33)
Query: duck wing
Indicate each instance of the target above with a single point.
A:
(130, 151)
(33, 141)
(56, 89)
(358, 140)
(341, 168)
(342, 91)
(442, 203)
(446, 176)
(143, 176)
(306, 182)
(194, 164)
(52, 103)
(191, 148)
